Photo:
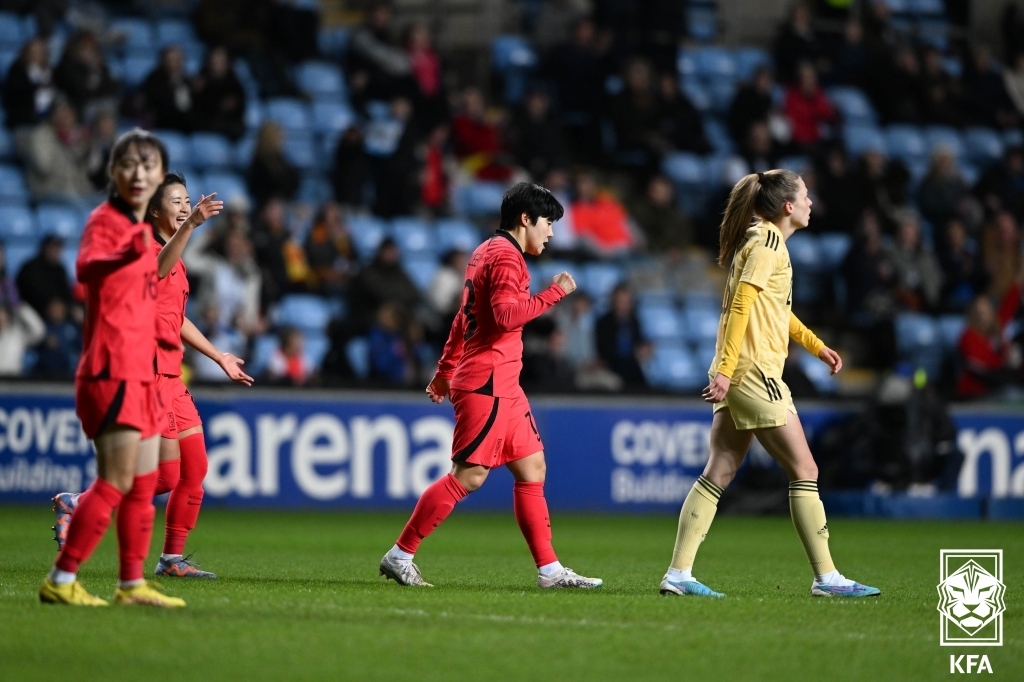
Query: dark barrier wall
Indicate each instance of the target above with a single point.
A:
(325, 449)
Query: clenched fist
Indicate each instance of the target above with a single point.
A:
(565, 280)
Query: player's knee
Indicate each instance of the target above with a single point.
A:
(121, 480)
(806, 471)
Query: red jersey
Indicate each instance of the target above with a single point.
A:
(171, 297)
(120, 278)
(484, 353)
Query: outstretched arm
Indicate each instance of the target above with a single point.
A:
(169, 255)
(231, 364)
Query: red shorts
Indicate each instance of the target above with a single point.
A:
(491, 431)
(179, 411)
(102, 403)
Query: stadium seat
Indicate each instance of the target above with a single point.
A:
(659, 323)
(456, 234)
(699, 96)
(936, 136)
(179, 149)
(333, 42)
(307, 312)
(686, 65)
(211, 150)
(833, 247)
(11, 31)
(244, 149)
(301, 151)
(927, 7)
(747, 60)
(1013, 138)
(6, 145)
(715, 64)
(262, 350)
(702, 24)
(291, 114)
(804, 252)
(413, 236)
(853, 105)
(136, 32)
(18, 223)
(722, 95)
(480, 198)
(7, 57)
(315, 347)
(674, 368)
(254, 113)
(17, 253)
(320, 80)
(315, 189)
(983, 145)
(918, 340)
(905, 142)
(598, 279)
(61, 219)
(797, 164)
(700, 325)
(951, 328)
(513, 58)
(702, 300)
(421, 269)
(718, 135)
(12, 185)
(541, 273)
(332, 117)
(819, 374)
(969, 172)
(136, 69)
(174, 31)
(367, 234)
(358, 353)
(861, 138)
(685, 169)
(228, 186)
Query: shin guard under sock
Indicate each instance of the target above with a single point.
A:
(694, 522)
(531, 510)
(434, 506)
(809, 520)
(135, 526)
(89, 523)
(184, 503)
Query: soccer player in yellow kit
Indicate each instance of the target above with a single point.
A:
(749, 397)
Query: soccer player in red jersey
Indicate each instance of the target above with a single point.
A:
(115, 395)
(479, 372)
(183, 462)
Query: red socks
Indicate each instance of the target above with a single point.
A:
(531, 511)
(434, 506)
(169, 473)
(187, 495)
(89, 523)
(135, 525)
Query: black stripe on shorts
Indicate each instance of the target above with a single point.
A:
(464, 454)
(110, 418)
(772, 388)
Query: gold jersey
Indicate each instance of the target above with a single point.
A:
(762, 261)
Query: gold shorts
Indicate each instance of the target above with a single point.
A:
(758, 402)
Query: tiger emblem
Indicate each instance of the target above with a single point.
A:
(971, 597)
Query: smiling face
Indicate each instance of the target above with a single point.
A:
(537, 234)
(137, 174)
(173, 209)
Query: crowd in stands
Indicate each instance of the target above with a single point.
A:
(314, 271)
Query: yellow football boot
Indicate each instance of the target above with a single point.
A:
(69, 593)
(146, 594)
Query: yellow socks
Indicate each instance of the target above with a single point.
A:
(809, 520)
(694, 521)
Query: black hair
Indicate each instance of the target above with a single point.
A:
(533, 200)
(171, 178)
(140, 138)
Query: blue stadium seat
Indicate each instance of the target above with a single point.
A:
(7, 57)
(861, 138)
(136, 32)
(332, 117)
(718, 135)
(307, 312)
(136, 69)
(358, 353)
(598, 279)
(951, 328)
(675, 368)
(367, 234)
(686, 65)
(918, 340)
(513, 58)
(480, 198)
(315, 348)
(854, 105)
(797, 164)
(970, 173)
(421, 269)
(67, 221)
(174, 31)
(179, 149)
(927, 7)
(655, 298)
(244, 149)
(935, 136)
(748, 59)
(659, 322)
(700, 325)
(291, 114)
(301, 151)
(542, 272)
(12, 185)
(254, 113)
(703, 300)
(68, 257)
(11, 31)
(17, 253)
(212, 150)
(6, 144)
(320, 80)
(262, 350)
(413, 236)
(456, 234)
(228, 186)
(18, 223)
(702, 24)
(833, 247)
(685, 168)
(905, 142)
(804, 252)
(818, 373)
(722, 95)
(315, 189)
(699, 96)
(1013, 138)
(333, 42)
(984, 145)
(715, 64)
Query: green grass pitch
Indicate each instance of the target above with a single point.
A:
(299, 599)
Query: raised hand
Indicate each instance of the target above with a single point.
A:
(205, 208)
(232, 366)
(565, 280)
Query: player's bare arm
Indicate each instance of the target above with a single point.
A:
(231, 364)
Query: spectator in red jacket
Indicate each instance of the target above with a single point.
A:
(988, 360)
(807, 108)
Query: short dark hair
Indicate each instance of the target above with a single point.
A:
(533, 200)
(171, 178)
(140, 138)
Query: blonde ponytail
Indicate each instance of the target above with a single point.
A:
(755, 195)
